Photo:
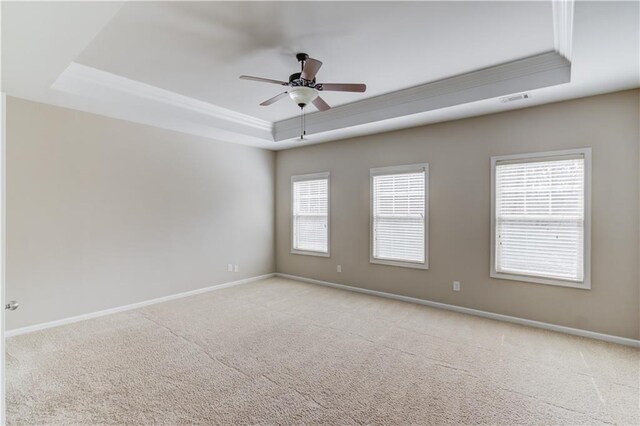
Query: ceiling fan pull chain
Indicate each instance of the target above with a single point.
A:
(301, 123)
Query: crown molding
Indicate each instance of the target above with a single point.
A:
(128, 96)
(534, 72)
(563, 26)
(116, 96)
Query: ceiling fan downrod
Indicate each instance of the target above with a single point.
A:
(302, 58)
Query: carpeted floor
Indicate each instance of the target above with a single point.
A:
(284, 352)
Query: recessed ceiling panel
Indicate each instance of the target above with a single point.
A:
(198, 49)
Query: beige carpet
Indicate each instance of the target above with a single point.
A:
(284, 352)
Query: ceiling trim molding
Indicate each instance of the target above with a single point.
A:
(121, 97)
(538, 71)
(82, 79)
(563, 26)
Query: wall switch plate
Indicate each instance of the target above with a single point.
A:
(235, 268)
(456, 286)
(229, 267)
(339, 268)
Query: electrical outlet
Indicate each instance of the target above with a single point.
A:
(339, 268)
(235, 268)
(229, 267)
(456, 286)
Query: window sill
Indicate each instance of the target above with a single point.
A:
(423, 266)
(586, 285)
(310, 253)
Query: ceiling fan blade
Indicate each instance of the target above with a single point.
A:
(263, 80)
(274, 99)
(310, 69)
(320, 104)
(344, 87)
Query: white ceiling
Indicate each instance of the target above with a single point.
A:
(199, 49)
(189, 55)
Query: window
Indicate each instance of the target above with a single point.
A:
(399, 215)
(541, 217)
(310, 214)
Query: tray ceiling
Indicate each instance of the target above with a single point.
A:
(198, 49)
(176, 64)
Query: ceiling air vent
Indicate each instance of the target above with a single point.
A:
(512, 98)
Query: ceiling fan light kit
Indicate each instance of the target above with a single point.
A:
(304, 89)
(302, 95)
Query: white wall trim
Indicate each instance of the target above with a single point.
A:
(391, 170)
(500, 317)
(563, 26)
(301, 178)
(89, 75)
(476, 312)
(70, 320)
(90, 89)
(3, 250)
(533, 72)
(585, 153)
(99, 92)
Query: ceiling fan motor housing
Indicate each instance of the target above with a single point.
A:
(297, 80)
(294, 77)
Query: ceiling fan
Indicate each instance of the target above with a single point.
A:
(303, 88)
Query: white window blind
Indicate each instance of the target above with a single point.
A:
(399, 212)
(540, 217)
(310, 214)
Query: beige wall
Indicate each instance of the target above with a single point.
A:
(459, 154)
(103, 213)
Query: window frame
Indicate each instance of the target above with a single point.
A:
(585, 284)
(392, 170)
(302, 178)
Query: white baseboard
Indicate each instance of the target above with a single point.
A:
(522, 321)
(470, 311)
(56, 323)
